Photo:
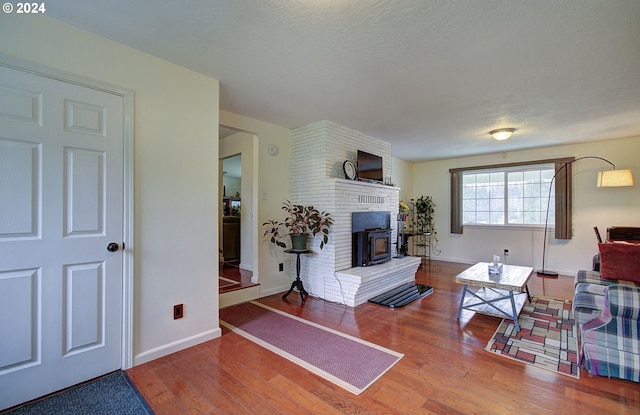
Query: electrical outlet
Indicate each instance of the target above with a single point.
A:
(506, 252)
(281, 267)
(178, 311)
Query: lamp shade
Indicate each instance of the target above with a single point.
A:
(615, 178)
(502, 134)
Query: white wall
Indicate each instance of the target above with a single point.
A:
(602, 207)
(273, 188)
(402, 176)
(175, 164)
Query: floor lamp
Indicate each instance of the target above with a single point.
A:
(607, 178)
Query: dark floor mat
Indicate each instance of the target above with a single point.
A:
(402, 295)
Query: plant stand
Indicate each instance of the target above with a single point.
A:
(422, 224)
(421, 245)
(297, 283)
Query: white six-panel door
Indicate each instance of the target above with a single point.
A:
(61, 204)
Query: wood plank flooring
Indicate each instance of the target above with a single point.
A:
(231, 277)
(445, 369)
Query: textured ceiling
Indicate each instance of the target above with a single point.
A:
(430, 77)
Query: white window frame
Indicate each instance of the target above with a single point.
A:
(502, 205)
(563, 194)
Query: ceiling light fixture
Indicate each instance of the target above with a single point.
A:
(502, 134)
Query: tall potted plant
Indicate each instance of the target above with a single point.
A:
(300, 222)
(424, 219)
(425, 208)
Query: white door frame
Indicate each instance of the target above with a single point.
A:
(127, 231)
(253, 157)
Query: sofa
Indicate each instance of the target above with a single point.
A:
(606, 307)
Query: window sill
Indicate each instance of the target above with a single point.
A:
(539, 228)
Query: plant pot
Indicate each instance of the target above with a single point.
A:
(299, 241)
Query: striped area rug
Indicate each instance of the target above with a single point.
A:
(547, 337)
(347, 361)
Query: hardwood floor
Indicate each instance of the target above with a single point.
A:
(445, 369)
(232, 277)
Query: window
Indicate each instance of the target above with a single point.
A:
(508, 196)
(513, 194)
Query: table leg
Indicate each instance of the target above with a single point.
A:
(464, 292)
(293, 284)
(515, 311)
(491, 302)
(303, 293)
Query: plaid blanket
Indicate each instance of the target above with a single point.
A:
(610, 342)
(588, 300)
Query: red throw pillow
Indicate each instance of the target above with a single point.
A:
(620, 261)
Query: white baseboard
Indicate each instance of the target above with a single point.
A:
(277, 290)
(567, 272)
(459, 260)
(176, 346)
(238, 296)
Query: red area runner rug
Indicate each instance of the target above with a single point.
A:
(547, 337)
(347, 361)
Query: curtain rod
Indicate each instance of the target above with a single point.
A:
(514, 164)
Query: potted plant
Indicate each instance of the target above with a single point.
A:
(424, 218)
(425, 208)
(300, 222)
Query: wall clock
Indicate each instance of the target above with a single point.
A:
(349, 170)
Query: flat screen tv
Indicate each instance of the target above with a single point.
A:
(370, 167)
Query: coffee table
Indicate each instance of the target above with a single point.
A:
(497, 295)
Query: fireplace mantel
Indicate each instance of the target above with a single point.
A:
(357, 183)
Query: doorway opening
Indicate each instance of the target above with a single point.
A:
(238, 210)
(231, 209)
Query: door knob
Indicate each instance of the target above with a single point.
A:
(113, 247)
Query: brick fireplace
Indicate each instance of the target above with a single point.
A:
(318, 152)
